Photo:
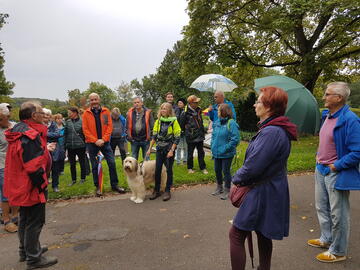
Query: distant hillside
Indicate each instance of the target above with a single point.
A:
(44, 102)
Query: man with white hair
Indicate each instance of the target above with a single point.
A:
(337, 172)
(219, 98)
(97, 128)
(9, 222)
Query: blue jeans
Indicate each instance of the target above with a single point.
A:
(110, 159)
(333, 210)
(222, 166)
(181, 148)
(135, 148)
(2, 197)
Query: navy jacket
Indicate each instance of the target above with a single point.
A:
(266, 206)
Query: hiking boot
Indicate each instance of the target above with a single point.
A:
(329, 258)
(219, 189)
(167, 196)
(42, 263)
(205, 171)
(155, 195)
(98, 192)
(23, 256)
(317, 243)
(10, 227)
(225, 195)
(118, 189)
(56, 189)
(73, 182)
(191, 171)
(82, 181)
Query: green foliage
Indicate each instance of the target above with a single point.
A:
(306, 38)
(247, 118)
(108, 96)
(355, 95)
(5, 86)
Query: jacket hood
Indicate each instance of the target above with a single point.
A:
(26, 128)
(283, 122)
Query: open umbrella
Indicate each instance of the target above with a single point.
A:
(213, 82)
(302, 108)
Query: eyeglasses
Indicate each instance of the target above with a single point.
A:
(328, 94)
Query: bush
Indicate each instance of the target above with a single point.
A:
(245, 113)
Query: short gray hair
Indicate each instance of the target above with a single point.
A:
(340, 88)
(4, 110)
(47, 111)
(137, 97)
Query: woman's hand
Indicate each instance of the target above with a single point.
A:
(148, 152)
(170, 153)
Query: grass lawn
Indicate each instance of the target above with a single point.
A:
(302, 158)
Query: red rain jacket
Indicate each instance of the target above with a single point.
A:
(26, 164)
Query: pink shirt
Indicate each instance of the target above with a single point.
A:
(327, 152)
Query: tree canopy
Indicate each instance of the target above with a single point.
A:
(5, 86)
(305, 38)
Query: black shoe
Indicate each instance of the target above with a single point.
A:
(98, 192)
(118, 189)
(43, 262)
(167, 196)
(23, 256)
(82, 181)
(155, 195)
(72, 183)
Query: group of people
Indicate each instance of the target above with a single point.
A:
(31, 149)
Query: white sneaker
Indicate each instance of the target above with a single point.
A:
(205, 171)
(191, 171)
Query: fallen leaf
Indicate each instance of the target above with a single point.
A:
(311, 230)
(174, 231)
(231, 221)
(186, 236)
(303, 217)
(163, 209)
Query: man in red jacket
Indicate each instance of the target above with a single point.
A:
(26, 166)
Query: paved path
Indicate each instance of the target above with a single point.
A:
(189, 232)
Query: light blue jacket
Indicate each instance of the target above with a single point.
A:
(213, 114)
(225, 137)
(347, 144)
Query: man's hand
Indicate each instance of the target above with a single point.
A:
(99, 143)
(332, 167)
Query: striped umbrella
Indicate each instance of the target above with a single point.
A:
(100, 157)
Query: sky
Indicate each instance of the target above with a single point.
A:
(52, 46)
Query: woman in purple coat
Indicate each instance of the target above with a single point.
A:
(265, 208)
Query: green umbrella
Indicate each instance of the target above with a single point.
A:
(302, 108)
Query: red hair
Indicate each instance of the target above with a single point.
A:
(275, 99)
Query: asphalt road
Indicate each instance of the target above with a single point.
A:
(189, 232)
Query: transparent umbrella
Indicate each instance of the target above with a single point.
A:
(213, 82)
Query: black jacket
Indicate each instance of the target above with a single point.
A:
(192, 123)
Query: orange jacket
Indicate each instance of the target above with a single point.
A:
(89, 125)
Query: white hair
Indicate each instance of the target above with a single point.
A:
(340, 88)
(220, 92)
(4, 109)
(47, 111)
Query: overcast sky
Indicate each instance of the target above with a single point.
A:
(52, 46)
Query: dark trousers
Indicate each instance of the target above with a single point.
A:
(55, 173)
(109, 156)
(32, 219)
(238, 254)
(222, 166)
(119, 142)
(161, 160)
(201, 155)
(80, 153)
(62, 165)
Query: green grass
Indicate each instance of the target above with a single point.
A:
(302, 158)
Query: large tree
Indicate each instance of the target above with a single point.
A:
(305, 38)
(5, 86)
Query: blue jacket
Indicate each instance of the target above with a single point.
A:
(213, 114)
(225, 137)
(266, 206)
(347, 144)
(56, 135)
